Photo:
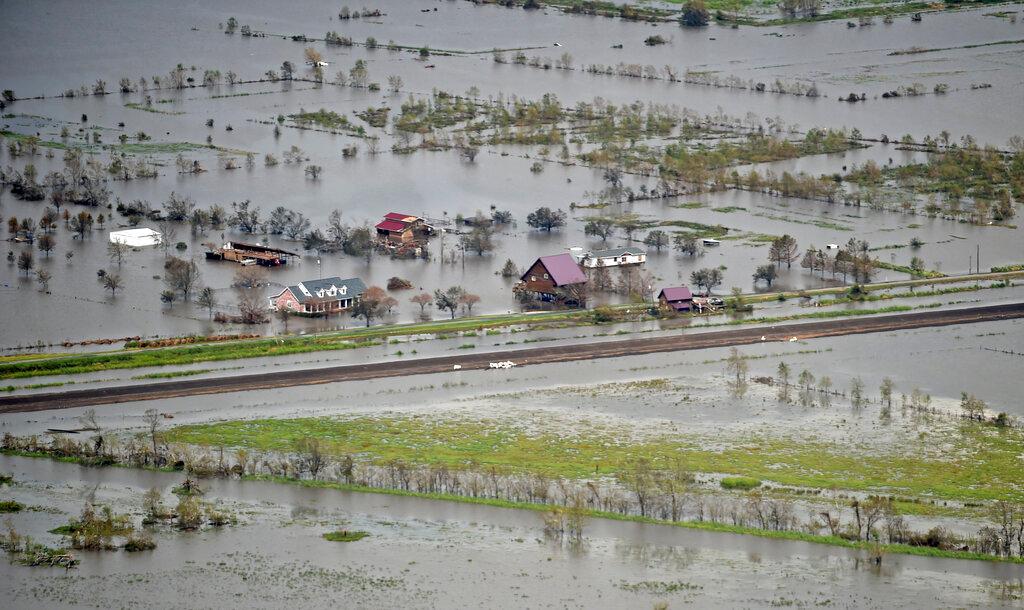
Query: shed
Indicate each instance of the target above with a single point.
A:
(136, 238)
(679, 298)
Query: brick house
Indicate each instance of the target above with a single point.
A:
(319, 297)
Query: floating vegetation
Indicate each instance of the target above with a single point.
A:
(345, 535)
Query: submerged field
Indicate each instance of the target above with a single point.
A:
(965, 462)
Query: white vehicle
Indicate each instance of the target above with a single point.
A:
(457, 367)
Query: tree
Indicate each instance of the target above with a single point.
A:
(657, 239)
(152, 419)
(168, 297)
(26, 262)
(252, 308)
(973, 407)
(783, 372)
(313, 57)
(244, 219)
(117, 250)
(468, 301)
(686, 243)
(448, 300)
(708, 278)
(207, 299)
(112, 282)
(601, 226)
(314, 171)
(359, 243)
(885, 390)
(181, 275)
(766, 273)
(856, 392)
(394, 83)
(783, 250)
(422, 299)
(43, 277)
(510, 269)
(546, 219)
(46, 244)
(695, 14)
(479, 239)
(287, 70)
(81, 223)
(736, 365)
(370, 305)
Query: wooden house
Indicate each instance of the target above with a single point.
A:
(402, 228)
(549, 275)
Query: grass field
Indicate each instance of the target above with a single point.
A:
(969, 462)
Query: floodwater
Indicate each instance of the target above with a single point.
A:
(424, 553)
(115, 39)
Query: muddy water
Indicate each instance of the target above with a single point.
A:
(439, 554)
(115, 39)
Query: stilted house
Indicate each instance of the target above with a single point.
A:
(401, 228)
(319, 297)
(549, 276)
(249, 254)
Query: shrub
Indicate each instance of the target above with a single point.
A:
(345, 536)
(10, 506)
(740, 483)
(604, 314)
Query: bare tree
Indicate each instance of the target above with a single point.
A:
(152, 418)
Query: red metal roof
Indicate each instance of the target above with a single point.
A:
(391, 225)
(398, 216)
(677, 293)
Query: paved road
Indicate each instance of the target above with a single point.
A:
(527, 357)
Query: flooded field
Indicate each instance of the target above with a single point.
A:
(440, 183)
(503, 557)
(886, 144)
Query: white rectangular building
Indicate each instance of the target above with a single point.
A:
(616, 257)
(136, 238)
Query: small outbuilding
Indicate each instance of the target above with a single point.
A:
(136, 238)
(678, 298)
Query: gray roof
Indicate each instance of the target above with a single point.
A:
(319, 290)
(615, 252)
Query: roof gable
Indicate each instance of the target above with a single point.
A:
(676, 293)
(562, 268)
(327, 288)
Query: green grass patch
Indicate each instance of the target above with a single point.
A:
(740, 483)
(982, 462)
(11, 506)
(145, 108)
(172, 374)
(345, 536)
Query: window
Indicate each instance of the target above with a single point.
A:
(546, 276)
(533, 278)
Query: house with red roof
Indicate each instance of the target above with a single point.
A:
(401, 228)
(554, 276)
(678, 298)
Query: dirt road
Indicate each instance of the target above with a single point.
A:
(522, 357)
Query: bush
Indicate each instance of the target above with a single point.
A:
(10, 506)
(694, 14)
(740, 483)
(397, 283)
(345, 536)
(604, 314)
